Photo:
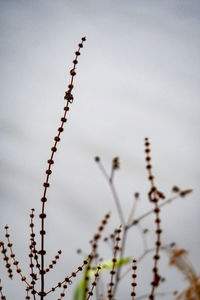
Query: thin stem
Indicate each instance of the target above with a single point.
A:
(117, 202)
(144, 240)
(69, 98)
(135, 222)
(114, 192)
(132, 211)
(32, 246)
(112, 175)
(134, 268)
(110, 292)
(140, 258)
(105, 174)
(67, 280)
(156, 294)
(1, 292)
(94, 283)
(12, 255)
(97, 288)
(124, 237)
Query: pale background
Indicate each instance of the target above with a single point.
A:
(138, 75)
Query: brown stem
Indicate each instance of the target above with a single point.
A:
(124, 237)
(1, 292)
(69, 98)
(154, 196)
(146, 252)
(113, 190)
(133, 284)
(110, 293)
(12, 255)
(156, 294)
(68, 280)
(117, 202)
(94, 283)
(135, 222)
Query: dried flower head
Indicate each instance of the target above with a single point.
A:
(115, 163)
(179, 258)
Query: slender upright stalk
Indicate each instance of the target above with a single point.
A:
(69, 98)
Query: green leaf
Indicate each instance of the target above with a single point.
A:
(79, 290)
(79, 293)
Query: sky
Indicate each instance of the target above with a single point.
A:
(137, 76)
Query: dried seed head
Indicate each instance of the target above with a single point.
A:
(115, 163)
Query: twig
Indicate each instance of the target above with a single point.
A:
(110, 293)
(133, 284)
(133, 209)
(113, 189)
(69, 98)
(122, 249)
(140, 258)
(1, 292)
(136, 221)
(156, 294)
(94, 283)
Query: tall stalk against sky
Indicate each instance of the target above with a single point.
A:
(46, 184)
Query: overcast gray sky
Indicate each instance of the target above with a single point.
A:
(138, 75)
